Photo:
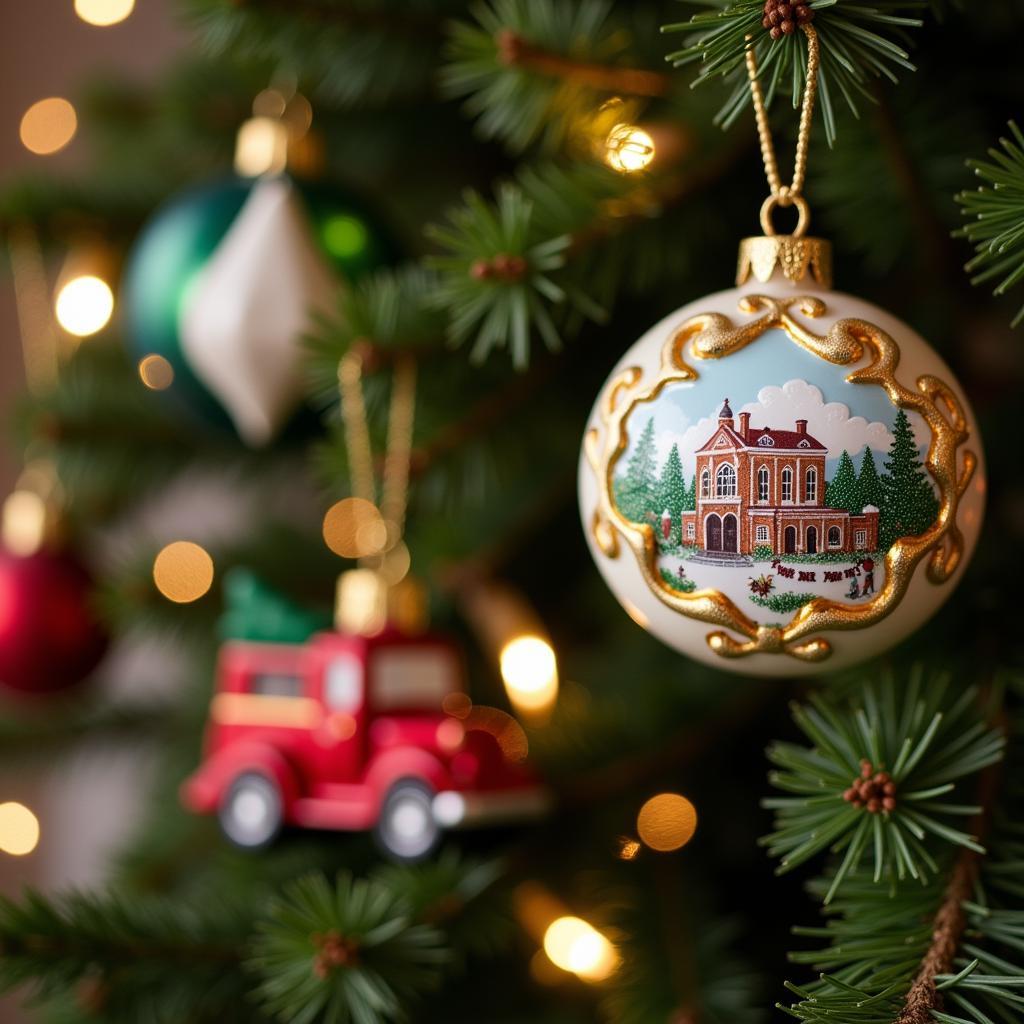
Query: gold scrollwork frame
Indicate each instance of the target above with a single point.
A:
(713, 336)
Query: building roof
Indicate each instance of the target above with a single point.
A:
(725, 413)
(784, 439)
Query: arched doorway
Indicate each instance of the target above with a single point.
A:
(713, 533)
(789, 540)
(812, 540)
(729, 533)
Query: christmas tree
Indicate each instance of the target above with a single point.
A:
(483, 204)
(637, 492)
(672, 492)
(869, 485)
(909, 505)
(842, 490)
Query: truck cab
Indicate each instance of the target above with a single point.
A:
(353, 732)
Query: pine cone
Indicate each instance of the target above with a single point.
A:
(782, 18)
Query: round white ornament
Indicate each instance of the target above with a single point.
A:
(781, 479)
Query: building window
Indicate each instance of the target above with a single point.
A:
(762, 535)
(811, 485)
(766, 440)
(690, 531)
(762, 484)
(705, 484)
(834, 538)
(860, 538)
(787, 484)
(725, 481)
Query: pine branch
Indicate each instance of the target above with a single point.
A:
(996, 217)
(879, 781)
(858, 43)
(539, 70)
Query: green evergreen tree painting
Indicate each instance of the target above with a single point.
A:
(842, 490)
(909, 505)
(672, 493)
(869, 485)
(637, 491)
(691, 495)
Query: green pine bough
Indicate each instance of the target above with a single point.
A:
(858, 43)
(922, 922)
(995, 217)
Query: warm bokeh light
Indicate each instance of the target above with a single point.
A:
(104, 12)
(19, 829)
(48, 125)
(24, 522)
(84, 305)
(156, 372)
(628, 148)
(261, 147)
(576, 946)
(629, 848)
(667, 822)
(353, 528)
(183, 571)
(530, 672)
(507, 732)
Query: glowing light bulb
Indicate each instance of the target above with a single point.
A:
(156, 372)
(530, 672)
(578, 947)
(19, 829)
(84, 305)
(103, 12)
(48, 125)
(628, 148)
(183, 571)
(667, 822)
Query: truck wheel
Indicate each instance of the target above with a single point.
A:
(406, 829)
(251, 814)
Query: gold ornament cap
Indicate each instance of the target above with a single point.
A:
(366, 603)
(796, 255)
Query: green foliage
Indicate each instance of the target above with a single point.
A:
(869, 485)
(494, 306)
(636, 491)
(783, 603)
(925, 734)
(995, 217)
(858, 43)
(672, 493)
(842, 490)
(909, 505)
(677, 582)
(763, 553)
(344, 952)
(509, 100)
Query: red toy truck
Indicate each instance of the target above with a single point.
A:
(349, 732)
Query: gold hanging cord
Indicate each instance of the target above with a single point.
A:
(792, 194)
(398, 452)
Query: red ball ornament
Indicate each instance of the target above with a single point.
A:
(50, 638)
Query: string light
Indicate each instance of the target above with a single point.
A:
(183, 571)
(576, 946)
(628, 148)
(84, 305)
(48, 125)
(103, 12)
(354, 528)
(19, 829)
(530, 672)
(156, 372)
(667, 822)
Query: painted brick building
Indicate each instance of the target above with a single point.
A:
(762, 487)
